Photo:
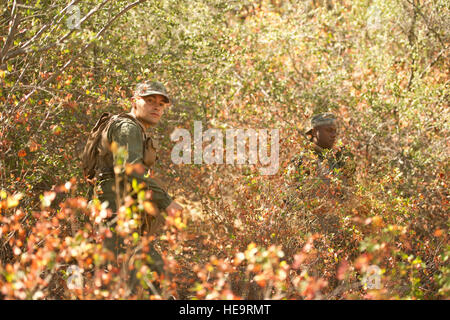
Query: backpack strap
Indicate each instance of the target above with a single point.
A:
(90, 151)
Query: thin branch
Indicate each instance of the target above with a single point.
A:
(25, 99)
(419, 11)
(432, 63)
(411, 36)
(87, 46)
(12, 32)
(24, 50)
(44, 28)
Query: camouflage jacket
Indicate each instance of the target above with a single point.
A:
(131, 135)
(315, 174)
(316, 163)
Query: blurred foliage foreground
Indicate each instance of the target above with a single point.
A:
(381, 66)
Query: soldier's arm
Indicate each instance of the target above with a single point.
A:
(128, 134)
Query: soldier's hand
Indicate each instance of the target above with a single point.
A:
(173, 209)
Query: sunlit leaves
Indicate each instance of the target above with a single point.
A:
(11, 201)
(271, 64)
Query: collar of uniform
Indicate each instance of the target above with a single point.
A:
(321, 152)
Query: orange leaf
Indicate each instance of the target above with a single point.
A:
(343, 267)
(150, 208)
(13, 201)
(33, 146)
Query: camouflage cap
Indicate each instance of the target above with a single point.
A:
(148, 88)
(321, 119)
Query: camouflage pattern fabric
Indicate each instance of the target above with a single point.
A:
(325, 162)
(309, 177)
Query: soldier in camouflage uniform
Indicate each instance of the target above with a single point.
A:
(315, 167)
(149, 102)
(131, 131)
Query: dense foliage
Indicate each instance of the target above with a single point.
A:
(381, 66)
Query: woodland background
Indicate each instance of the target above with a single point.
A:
(381, 66)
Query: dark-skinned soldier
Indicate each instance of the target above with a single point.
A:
(314, 168)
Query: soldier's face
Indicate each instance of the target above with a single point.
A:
(326, 136)
(149, 109)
